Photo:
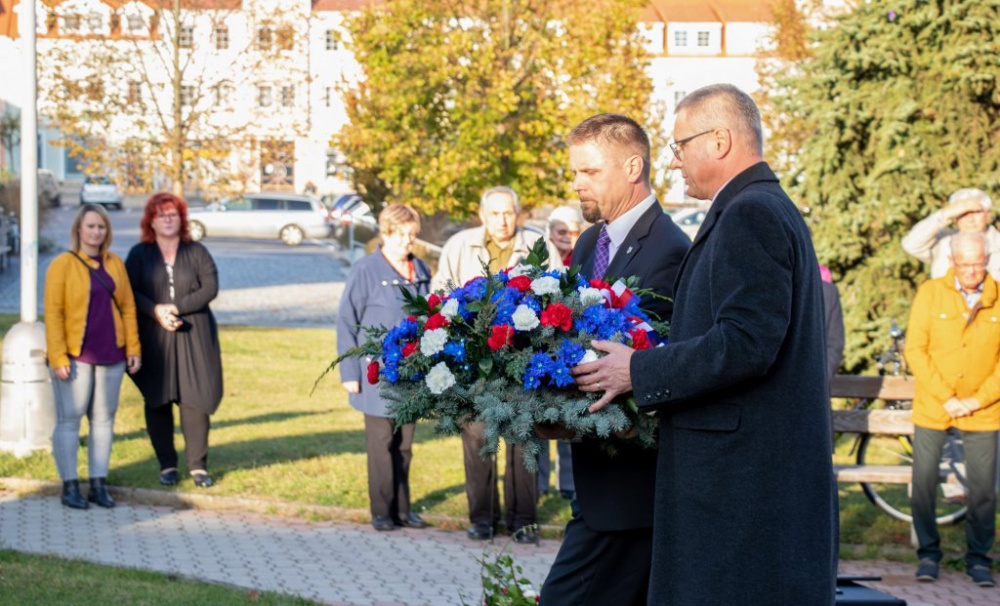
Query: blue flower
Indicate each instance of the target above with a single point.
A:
(538, 367)
(559, 374)
(570, 353)
(455, 350)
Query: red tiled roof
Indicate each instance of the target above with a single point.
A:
(753, 11)
(655, 10)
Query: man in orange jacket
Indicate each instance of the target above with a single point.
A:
(953, 348)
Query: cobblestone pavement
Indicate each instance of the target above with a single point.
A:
(333, 562)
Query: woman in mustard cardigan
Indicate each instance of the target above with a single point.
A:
(92, 338)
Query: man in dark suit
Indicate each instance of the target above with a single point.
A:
(746, 505)
(605, 555)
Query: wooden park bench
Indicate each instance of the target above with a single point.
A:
(876, 421)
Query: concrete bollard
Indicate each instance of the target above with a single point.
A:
(27, 403)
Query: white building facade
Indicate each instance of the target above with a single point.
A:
(289, 101)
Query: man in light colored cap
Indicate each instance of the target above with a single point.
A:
(930, 240)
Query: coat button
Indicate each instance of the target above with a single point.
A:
(666, 393)
(647, 397)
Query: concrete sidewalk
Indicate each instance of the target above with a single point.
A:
(332, 562)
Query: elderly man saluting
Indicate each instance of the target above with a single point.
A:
(952, 347)
(972, 212)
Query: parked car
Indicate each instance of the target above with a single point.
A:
(99, 189)
(689, 220)
(290, 217)
(339, 204)
(48, 187)
(361, 217)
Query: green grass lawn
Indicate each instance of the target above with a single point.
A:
(272, 440)
(70, 582)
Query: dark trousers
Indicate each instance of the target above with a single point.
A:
(389, 456)
(520, 487)
(597, 568)
(981, 475)
(194, 425)
(564, 466)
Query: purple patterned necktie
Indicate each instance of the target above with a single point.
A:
(601, 254)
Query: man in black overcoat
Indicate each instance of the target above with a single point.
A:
(605, 555)
(746, 505)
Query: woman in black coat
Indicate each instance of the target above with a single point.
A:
(372, 298)
(174, 280)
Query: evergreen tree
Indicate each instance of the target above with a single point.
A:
(901, 103)
(459, 96)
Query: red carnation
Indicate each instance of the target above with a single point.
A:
(600, 284)
(411, 318)
(433, 301)
(522, 283)
(409, 348)
(373, 373)
(640, 340)
(558, 315)
(435, 321)
(501, 336)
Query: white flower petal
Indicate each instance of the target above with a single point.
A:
(524, 318)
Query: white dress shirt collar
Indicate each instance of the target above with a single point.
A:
(619, 228)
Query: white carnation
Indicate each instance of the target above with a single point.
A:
(439, 378)
(517, 270)
(589, 356)
(546, 285)
(433, 341)
(524, 318)
(450, 308)
(589, 296)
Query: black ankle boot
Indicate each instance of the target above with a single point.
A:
(99, 493)
(71, 496)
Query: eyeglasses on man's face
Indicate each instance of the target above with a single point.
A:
(678, 146)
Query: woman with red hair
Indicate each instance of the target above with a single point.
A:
(174, 280)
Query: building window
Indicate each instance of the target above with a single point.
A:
(135, 23)
(264, 96)
(187, 96)
(285, 37)
(703, 38)
(264, 38)
(71, 23)
(678, 95)
(332, 40)
(223, 95)
(221, 36)
(134, 92)
(330, 96)
(94, 22)
(287, 96)
(680, 38)
(186, 37)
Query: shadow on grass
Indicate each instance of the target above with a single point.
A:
(264, 452)
(274, 417)
(437, 497)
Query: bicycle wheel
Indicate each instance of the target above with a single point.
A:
(894, 498)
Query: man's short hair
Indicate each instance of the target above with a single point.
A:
(972, 193)
(724, 105)
(499, 189)
(966, 239)
(615, 130)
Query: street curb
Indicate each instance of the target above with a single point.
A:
(206, 502)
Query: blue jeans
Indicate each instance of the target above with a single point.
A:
(92, 390)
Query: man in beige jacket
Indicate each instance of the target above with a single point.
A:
(498, 243)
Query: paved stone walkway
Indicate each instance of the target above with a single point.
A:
(332, 562)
